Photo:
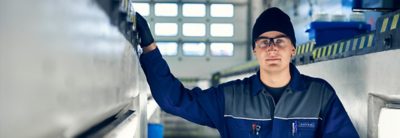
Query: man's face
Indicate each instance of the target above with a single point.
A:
(273, 51)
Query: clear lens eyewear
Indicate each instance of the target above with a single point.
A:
(280, 41)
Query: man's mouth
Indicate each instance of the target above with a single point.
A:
(273, 59)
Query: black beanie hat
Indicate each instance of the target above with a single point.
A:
(273, 19)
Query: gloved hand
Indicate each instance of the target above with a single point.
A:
(143, 30)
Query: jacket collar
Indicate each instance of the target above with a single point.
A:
(296, 84)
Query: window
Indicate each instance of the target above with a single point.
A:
(194, 49)
(194, 10)
(221, 30)
(166, 29)
(166, 9)
(221, 49)
(222, 10)
(142, 8)
(194, 29)
(184, 27)
(168, 48)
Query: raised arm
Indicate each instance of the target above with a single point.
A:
(203, 107)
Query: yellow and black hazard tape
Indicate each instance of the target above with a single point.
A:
(393, 20)
(340, 47)
(305, 47)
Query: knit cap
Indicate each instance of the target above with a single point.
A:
(273, 19)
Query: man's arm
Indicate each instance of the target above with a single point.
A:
(335, 121)
(149, 48)
(204, 107)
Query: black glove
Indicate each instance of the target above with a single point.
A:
(143, 30)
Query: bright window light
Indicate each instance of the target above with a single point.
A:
(166, 29)
(194, 29)
(168, 48)
(221, 49)
(194, 49)
(221, 30)
(194, 10)
(166, 9)
(222, 10)
(142, 8)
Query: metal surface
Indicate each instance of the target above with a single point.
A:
(125, 127)
(355, 77)
(376, 103)
(63, 69)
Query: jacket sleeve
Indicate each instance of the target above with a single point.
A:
(336, 123)
(204, 107)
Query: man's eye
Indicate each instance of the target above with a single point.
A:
(266, 42)
(278, 41)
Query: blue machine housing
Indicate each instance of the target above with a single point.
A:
(327, 32)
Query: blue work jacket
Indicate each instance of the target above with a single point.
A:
(308, 107)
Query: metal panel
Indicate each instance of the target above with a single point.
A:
(355, 77)
(63, 69)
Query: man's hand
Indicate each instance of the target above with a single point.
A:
(144, 32)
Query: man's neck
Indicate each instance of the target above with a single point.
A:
(275, 79)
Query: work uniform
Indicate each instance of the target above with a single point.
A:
(308, 107)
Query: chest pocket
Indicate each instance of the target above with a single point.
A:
(241, 128)
(303, 128)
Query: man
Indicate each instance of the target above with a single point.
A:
(276, 102)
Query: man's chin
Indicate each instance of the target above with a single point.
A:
(272, 67)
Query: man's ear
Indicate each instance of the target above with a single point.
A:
(293, 52)
(254, 53)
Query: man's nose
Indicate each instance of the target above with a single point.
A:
(272, 47)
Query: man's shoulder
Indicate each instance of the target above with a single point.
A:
(244, 82)
(317, 81)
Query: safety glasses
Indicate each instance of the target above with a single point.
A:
(280, 41)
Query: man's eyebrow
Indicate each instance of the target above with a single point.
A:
(278, 36)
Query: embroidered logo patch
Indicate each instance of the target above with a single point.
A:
(306, 124)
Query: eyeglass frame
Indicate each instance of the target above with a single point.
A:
(271, 40)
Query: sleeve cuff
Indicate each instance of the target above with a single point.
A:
(150, 57)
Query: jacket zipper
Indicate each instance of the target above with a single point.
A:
(273, 101)
(269, 95)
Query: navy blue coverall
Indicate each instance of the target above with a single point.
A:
(309, 107)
